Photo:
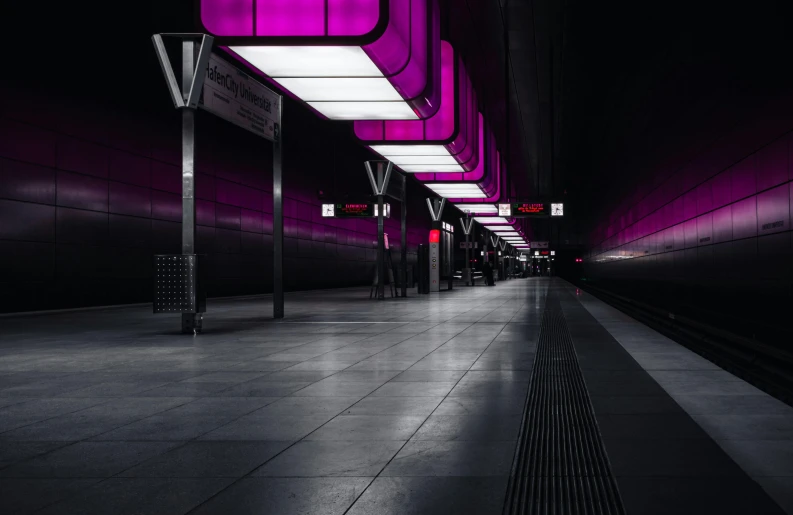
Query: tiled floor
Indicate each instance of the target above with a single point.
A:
(347, 406)
(352, 406)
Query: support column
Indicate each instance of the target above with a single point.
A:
(404, 249)
(380, 238)
(278, 217)
(191, 322)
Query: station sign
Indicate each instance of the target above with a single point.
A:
(354, 210)
(539, 244)
(530, 209)
(238, 98)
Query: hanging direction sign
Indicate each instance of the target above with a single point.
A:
(238, 98)
(354, 210)
(531, 209)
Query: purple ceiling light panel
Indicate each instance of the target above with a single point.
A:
(443, 143)
(348, 59)
(481, 185)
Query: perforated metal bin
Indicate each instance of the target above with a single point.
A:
(179, 285)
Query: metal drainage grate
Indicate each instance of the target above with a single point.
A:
(561, 465)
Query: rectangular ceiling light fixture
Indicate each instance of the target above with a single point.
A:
(445, 143)
(456, 190)
(491, 220)
(477, 208)
(507, 233)
(348, 59)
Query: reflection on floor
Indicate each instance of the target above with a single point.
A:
(400, 406)
(348, 406)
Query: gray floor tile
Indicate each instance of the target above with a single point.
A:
(13, 452)
(780, 488)
(134, 496)
(298, 406)
(432, 495)
(35, 410)
(420, 406)
(669, 457)
(327, 388)
(369, 427)
(490, 389)
(480, 428)
(332, 458)
(422, 458)
(286, 496)
(694, 496)
(88, 459)
(95, 420)
(281, 428)
(481, 406)
(430, 375)
(208, 459)
(263, 388)
(18, 495)
(414, 389)
(762, 457)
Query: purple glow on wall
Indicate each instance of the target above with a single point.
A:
(751, 198)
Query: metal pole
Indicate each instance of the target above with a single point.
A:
(278, 217)
(404, 250)
(380, 238)
(191, 322)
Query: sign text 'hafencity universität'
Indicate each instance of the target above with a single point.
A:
(239, 99)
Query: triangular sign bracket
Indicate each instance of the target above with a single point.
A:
(379, 189)
(436, 208)
(467, 224)
(184, 96)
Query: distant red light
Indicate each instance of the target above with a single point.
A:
(435, 236)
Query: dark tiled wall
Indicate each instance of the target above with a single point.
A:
(713, 241)
(89, 192)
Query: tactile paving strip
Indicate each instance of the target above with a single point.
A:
(561, 466)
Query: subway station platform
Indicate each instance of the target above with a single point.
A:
(527, 397)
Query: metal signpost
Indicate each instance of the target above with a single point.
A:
(494, 241)
(436, 211)
(467, 224)
(185, 96)
(212, 84)
(379, 181)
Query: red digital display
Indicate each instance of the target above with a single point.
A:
(532, 208)
(545, 252)
(435, 236)
(363, 210)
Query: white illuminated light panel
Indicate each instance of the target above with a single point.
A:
(507, 233)
(420, 158)
(341, 82)
(491, 220)
(477, 208)
(456, 190)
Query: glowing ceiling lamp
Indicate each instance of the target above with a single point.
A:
(507, 233)
(451, 190)
(443, 143)
(491, 220)
(348, 59)
(477, 208)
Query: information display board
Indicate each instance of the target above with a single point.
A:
(524, 209)
(354, 210)
(530, 209)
